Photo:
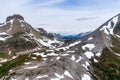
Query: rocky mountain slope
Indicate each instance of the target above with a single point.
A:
(32, 54)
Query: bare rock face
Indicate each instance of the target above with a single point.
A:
(15, 16)
(16, 27)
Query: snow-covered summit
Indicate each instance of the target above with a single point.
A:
(110, 25)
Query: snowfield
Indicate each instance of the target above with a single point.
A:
(41, 76)
(67, 47)
(89, 54)
(73, 58)
(32, 67)
(80, 58)
(86, 77)
(107, 28)
(98, 54)
(90, 38)
(90, 46)
(68, 74)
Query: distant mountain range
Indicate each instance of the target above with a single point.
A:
(68, 37)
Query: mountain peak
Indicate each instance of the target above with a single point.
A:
(118, 14)
(109, 26)
(15, 16)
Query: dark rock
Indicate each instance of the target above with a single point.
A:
(15, 16)
(42, 30)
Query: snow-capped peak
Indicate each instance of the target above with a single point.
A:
(109, 26)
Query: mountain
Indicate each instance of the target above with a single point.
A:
(33, 54)
(68, 37)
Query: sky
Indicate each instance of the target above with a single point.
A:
(62, 16)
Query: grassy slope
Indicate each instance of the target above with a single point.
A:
(117, 29)
(4, 69)
(108, 67)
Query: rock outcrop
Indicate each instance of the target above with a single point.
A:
(15, 16)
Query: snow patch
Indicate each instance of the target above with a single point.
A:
(118, 36)
(3, 24)
(49, 50)
(67, 47)
(80, 58)
(37, 54)
(54, 41)
(86, 65)
(107, 28)
(40, 54)
(27, 63)
(59, 76)
(10, 70)
(3, 33)
(3, 60)
(58, 58)
(43, 76)
(68, 74)
(26, 78)
(95, 60)
(98, 54)
(73, 58)
(52, 54)
(90, 38)
(117, 54)
(22, 23)
(65, 54)
(14, 57)
(44, 43)
(2, 39)
(75, 43)
(32, 67)
(86, 77)
(70, 51)
(115, 19)
(33, 57)
(89, 54)
(44, 59)
(43, 55)
(13, 79)
(11, 21)
(90, 46)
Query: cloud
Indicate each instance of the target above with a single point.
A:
(62, 16)
(47, 3)
(86, 18)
